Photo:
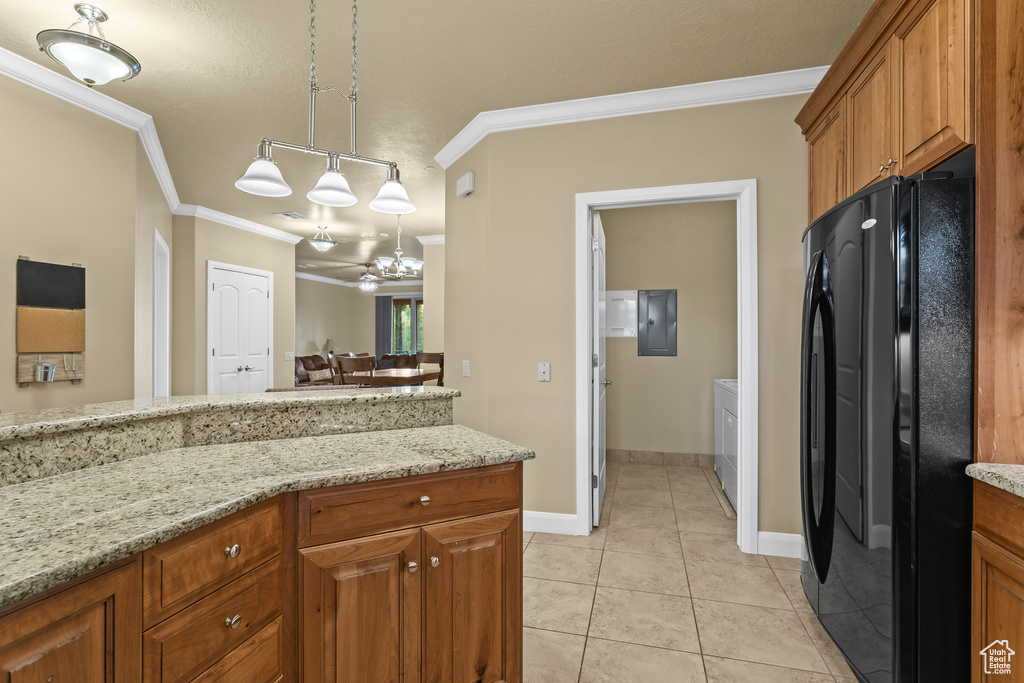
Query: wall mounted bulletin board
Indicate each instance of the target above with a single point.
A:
(51, 322)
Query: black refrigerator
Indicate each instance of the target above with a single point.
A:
(886, 426)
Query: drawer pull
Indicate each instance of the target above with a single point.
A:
(233, 551)
(413, 567)
(233, 622)
(424, 501)
(435, 561)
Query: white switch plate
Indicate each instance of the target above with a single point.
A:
(465, 368)
(289, 355)
(543, 372)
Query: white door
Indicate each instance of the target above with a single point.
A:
(239, 330)
(600, 373)
(161, 316)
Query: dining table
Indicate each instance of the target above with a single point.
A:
(394, 377)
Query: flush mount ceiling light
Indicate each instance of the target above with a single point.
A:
(264, 179)
(90, 58)
(322, 242)
(404, 266)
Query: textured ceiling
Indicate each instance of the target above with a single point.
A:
(218, 75)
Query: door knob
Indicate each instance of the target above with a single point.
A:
(606, 382)
(239, 368)
(435, 561)
(247, 368)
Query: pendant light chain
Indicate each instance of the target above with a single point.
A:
(312, 44)
(355, 33)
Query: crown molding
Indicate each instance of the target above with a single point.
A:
(380, 293)
(763, 86)
(427, 240)
(71, 91)
(324, 280)
(342, 283)
(236, 222)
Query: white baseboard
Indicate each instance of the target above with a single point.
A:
(549, 522)
(780, 545)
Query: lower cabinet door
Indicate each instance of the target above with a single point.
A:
(473, 611)
(361, 610)
(998, 605)
(90, 633)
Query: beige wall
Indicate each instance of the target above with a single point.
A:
(69, 196)
(151, 211)
(666, 403)
(196, 241)
(323, 311)
(510, 282)
(433, 298)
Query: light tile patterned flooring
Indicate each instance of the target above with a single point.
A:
(660, 592)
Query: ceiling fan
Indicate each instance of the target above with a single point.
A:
(367, 280)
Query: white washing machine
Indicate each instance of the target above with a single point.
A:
(727, 435)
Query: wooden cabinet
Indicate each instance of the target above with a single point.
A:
(439, 603)
(871, 154)
(902, 92)
(473, 613)
(998, 581)
(931, 55)
(827, 161)
(89, 633)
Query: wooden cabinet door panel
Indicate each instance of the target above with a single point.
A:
(997, 603)
(88, 633)
(827, 162)
(473, 600)
(869, 109)
(361, 610)
(931, 56)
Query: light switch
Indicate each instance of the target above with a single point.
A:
(289, 355)
(465, 368)
(543, 372)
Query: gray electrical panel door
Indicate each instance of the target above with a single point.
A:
(656, 322)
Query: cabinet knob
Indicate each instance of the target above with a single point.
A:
(233, 622)
(881, 167)
(435, 561)
(413, 567)
(233, 551)
(424, 500)
(891, 162)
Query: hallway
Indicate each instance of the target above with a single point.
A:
(660, 592)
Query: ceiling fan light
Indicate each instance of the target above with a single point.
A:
(263, 178)
(392, 197)
(332, 189)
(368, 286)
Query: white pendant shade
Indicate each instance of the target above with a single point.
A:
(89, 63)
(384, 262)
(332, 189)
(263, 178)
(368, 286)
(392, 197)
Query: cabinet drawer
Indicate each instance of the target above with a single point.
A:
(257, 660)
(179, 572)
(356, 510)
(999, 515)
(192, 640)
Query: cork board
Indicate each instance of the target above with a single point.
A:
(51, 330)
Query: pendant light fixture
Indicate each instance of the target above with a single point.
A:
(90, 58)
(264, 179)
(404, 266)
(322, 242)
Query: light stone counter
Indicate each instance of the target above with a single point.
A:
(1006, 477)
(57, 528)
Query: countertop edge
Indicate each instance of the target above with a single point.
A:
(104, 556)
(1009, 478)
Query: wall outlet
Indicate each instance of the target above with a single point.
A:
(465, 368)
(543, 372)
(289, 355)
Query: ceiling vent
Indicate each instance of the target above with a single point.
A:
(291, 215)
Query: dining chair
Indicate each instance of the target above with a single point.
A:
(349, 364)
(434, 359)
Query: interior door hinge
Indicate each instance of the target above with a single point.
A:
(594, 244)
(594, 478)
(213, 352)
(594, 362)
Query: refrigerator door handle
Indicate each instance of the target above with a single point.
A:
(818, 529)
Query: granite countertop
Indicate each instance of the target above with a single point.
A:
(57, 528)
(1003, 476)
(57, 420)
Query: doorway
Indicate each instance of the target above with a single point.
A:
(589, 425)
(239, 329)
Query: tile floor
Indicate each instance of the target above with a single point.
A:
(660, 592)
